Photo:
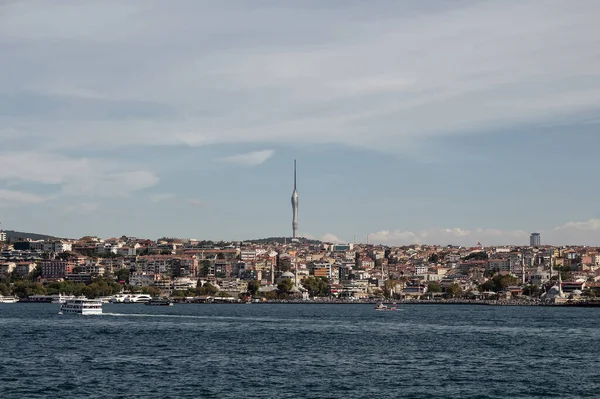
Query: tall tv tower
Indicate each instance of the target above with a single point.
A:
(295, 207)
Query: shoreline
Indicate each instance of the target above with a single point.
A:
(462, 302)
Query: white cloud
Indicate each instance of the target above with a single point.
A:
(81, 208)
(250, 158)
(74, 176)
(10, 197)
(275, 74)
(194, 202)
(571, 233)
(155, 198)
(328, 237)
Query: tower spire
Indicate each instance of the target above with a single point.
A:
(295, 207)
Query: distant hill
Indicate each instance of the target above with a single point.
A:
(282, 240)
(12, 236)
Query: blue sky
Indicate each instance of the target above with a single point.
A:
(412, 122)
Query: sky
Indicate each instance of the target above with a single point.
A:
(430, 122)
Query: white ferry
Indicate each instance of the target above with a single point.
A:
(8, 299)
(141, 298)
(81, 305)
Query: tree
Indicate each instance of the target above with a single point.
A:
(208, 289)
(204, 268)
(531, 290)
(434, 287)
(152, 291)
(389, 286)
(315, 286)
(454, 290)
(285, 285)
(253, 287)
(434, 258)
(4, 290)
(122, 275)
(498, 283)
(477, 256)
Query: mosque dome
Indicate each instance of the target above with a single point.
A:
(287, 275)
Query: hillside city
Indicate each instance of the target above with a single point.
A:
(298, 269)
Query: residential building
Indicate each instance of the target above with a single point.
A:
(56, 269)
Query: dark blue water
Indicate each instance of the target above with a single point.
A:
(299, 351)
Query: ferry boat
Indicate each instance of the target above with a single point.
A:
(159, 302)
(81, 305)
(8, 299)
(141, 298)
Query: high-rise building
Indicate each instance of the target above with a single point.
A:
(534, 240)
(295, 207)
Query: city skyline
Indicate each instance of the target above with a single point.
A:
(414, 122)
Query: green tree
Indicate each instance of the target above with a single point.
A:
(204, 268)
(122, 275)
(531, 290)
(477, 256)
(316, 286)
(434, 258)
(25, 288)
(152, 291)
(253, 287)
(285, 285)
(453, 291)
(498, 283)
(434, 287)
(208, 289)
(4, 290)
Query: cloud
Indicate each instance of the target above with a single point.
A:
(250, 158)
(9, 197)
(82, 208)
(194, 202)
(571, 233)
(312, 73)
(74, 176)
(155, 198)
(331, 238)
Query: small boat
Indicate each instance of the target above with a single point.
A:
(81, 305)
(159, 302)
(381, 306)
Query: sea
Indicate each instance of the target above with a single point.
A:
(299, 351)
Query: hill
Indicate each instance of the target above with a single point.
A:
(12, 236)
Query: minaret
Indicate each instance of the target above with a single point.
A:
(295, 207)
